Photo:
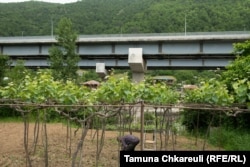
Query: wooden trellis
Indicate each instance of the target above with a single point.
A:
(102, 112)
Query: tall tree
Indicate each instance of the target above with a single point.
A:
(62, 56)
(240, 68)
(237, 74)
(4, 64)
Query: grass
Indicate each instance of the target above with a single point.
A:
(11, 119)
(231, 139)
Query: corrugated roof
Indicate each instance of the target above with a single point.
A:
(164, 78)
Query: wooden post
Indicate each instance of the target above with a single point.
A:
(142, 125)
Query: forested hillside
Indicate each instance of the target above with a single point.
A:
(126, 16)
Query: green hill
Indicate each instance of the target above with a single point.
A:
(126, 16)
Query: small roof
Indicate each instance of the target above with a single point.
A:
(91, 83)
(164, 78)
(190, 86)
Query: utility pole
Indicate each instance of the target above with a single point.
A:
(121, 32)
(52, 28)
(185, 25)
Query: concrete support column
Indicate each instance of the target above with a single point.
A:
(137, 64)
(137, 76)
(100, 70)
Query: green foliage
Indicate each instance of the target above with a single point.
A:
(242, 49)
(230, 139)
(121, 89)
(18, 72)
(11, 119)
(4, 64)
(149, 116)
(116, 90)
(242, 91)
(123, 16)
(6, 111)
(63, 58)
(237, 70)
(158, 94)
(89, 75)
(232, 87)
(242, 121)
(185, 76)
(196, 120)
(212, 92)
(237, 74)
(43, 89)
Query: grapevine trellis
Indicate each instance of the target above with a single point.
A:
(41, 97)
(97, 121)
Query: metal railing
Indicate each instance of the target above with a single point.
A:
(133, 35)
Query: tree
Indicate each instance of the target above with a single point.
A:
(237, 74)
(242, 48)
(4, 63)
(62, 56)
(17, 73)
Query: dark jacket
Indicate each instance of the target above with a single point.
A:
(129, 140)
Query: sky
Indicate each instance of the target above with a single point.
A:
(53, 1)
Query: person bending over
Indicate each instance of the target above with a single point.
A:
(128, 142)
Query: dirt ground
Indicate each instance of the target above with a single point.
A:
(12, 153)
